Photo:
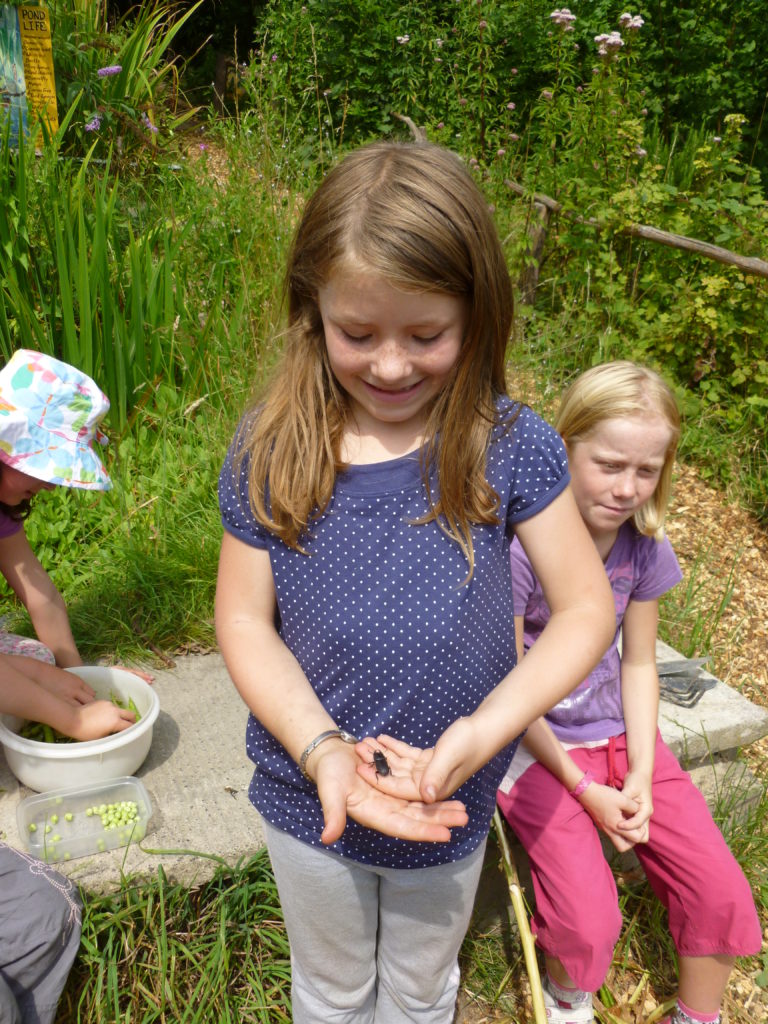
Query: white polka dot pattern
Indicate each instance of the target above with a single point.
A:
(391, 640)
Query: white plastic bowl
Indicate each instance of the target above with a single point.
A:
(45, 766)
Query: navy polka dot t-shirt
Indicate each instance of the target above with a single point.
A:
(383, 626)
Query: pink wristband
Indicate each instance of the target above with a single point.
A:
(582, 784)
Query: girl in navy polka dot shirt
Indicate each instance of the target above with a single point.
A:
(368, 502)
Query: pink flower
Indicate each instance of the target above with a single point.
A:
(631, 23)
(514, 137)
(563, 18)
(547, 94)
(501, 152)
(462, 101)
(608, 43)
(510, 106)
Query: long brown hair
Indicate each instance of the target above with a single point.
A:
(411, 213)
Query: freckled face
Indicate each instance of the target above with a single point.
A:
(392, 351)
(616, 469)
(16, 486)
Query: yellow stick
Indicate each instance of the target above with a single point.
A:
(526, 937)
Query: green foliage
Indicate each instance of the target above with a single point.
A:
(589, 147)
(346, 70)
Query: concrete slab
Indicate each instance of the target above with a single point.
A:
(197, 773)
(721, 722)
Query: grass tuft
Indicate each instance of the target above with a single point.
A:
(156, 951)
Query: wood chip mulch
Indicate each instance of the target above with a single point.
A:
(725, 549)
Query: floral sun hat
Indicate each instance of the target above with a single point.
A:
(49, 413)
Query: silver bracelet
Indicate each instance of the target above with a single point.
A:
(329, 734)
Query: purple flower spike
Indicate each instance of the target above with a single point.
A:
(109, 70)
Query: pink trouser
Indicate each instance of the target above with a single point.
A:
(686, 860)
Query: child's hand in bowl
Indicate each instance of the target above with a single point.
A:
(99, 718)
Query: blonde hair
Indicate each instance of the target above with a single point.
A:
(411, 213)
(615, 390)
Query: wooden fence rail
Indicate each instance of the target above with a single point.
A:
(545, 206)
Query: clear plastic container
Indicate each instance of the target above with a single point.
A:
(58, 827)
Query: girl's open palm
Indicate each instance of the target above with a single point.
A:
(343, 792)
(430, 774)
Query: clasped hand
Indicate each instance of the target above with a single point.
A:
(623, 814)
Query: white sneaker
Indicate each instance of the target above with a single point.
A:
(558, 1014)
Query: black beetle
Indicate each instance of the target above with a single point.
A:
(381, 763)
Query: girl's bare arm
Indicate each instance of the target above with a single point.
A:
(37, 592)
(640, 697)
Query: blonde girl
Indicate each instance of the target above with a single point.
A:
(367, 501)
(596, 761)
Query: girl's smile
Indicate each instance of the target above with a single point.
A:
(392, 351)
(615, 470)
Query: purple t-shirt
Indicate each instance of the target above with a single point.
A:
(639, 569)
(391, 638)
(8, 526)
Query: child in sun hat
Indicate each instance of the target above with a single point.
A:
(49, 416)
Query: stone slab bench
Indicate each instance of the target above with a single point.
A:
(197, 773)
